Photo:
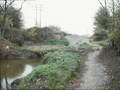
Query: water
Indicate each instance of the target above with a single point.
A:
(15, 69)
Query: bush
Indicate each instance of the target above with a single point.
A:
(99, 34)
(15, 35)
(41, 34)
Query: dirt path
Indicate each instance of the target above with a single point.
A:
(92, 73)
(94, 76)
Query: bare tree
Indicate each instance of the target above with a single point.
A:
(4, 5)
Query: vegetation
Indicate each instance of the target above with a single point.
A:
(7, 12)
(16, 17)
(103, 43)
(107, 23)
(59, 68)
(86, 45)
(55, 41)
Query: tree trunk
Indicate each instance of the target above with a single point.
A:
(118, 48)
(3, 23)
(0, 32)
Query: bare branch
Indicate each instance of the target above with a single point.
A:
(10, 3)
(1, 8)
(101, 4)
(18, 9)
(21, 5)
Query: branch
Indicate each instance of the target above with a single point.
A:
(10, 3)
(21, 5)
(18, 9)
(1, 8)
(101, 3)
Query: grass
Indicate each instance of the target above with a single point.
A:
(24, 48)
(103, 43)
(86, 45)
(60, 66)
(62, 41)
(58, 70)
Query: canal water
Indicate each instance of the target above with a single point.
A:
(15, 69)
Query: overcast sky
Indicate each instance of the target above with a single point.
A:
(73, 16)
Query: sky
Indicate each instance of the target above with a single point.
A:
(72, 16)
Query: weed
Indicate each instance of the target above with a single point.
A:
(53, 75)
(86, 45)
(55, 41)
(69, 75)
(103, 43)
(24, 48)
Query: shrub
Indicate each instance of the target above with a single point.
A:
(15, 35)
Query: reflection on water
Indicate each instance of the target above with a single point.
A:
(14, 69)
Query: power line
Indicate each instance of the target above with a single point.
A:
(36, 7)
(40, 15)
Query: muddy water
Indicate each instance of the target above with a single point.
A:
(14, 69)
(94, 76)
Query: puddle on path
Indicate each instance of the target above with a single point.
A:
(94, 76)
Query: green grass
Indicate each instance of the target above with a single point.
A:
(55, 41)
(24, 48)
(86, 45)
(56, 73)
(103, 43)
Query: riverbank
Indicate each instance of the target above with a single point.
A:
(58, 68)
(14, 51)
(28, 51)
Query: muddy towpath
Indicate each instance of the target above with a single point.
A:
(92, 74)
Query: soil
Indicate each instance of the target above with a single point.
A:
(111, 59)
(14, 49)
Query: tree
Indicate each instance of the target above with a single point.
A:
(102, 23)
(4, 6)
(111, 21)
(116, 33)
(16, 17)
(102, 18)
(8, 21)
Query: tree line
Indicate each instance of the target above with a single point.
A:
(107, 22)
